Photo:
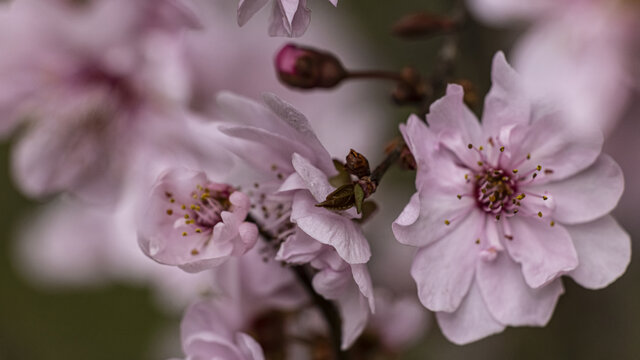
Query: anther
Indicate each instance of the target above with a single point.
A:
(552, 223)
(447, 222)
(459, 197)
(169, 212)
(508, 237)
(539, 213)
(480, 163)
(515, 171)
(528, 156)
(184, 233)
(502, 149)
(544, 197)
(195, 252)
(477, 241)
(470, 146)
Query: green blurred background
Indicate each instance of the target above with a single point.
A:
(118, 321)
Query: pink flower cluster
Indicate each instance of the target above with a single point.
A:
(119, 113)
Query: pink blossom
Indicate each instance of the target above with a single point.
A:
(194, 223)
(278, 141)
(288, 17)
(505, 208)
(579, 53)
(95, 82)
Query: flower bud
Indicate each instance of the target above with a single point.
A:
(308, 68)
(357, 164)
(422, 24)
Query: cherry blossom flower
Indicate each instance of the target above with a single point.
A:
(288, 17)
(92, 82)
(194, 223)
(278, 142)
(505, 208)
(577, 52)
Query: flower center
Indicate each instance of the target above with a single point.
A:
(495, 191)
(203, 213)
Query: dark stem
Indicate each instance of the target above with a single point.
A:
(391, 158)
(328, 309)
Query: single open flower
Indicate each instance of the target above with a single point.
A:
(193, 223)
(505, 208)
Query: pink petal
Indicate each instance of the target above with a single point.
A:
(248, 8)
(299, 248)
(443, 271)
(472, 321)
(588, 195)
(330, 228)
(550, 143)
(438, 202)
(315, 180)
(422, 142)
(506, 104)
(249, 347)
(509, 299)
(545, 252)
(281, 25)
(604, 251)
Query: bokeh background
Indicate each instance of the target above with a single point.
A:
(117, 320)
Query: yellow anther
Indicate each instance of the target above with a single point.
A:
(183, 207)
(538, 167)
(528, 156)
(447, 222)
(521, 196)
(497, 217)
(480, 163)
(534, 175)
(186, 216)
(552, 223)
(459, 197)
(539, 213)
(492, 198)
(169, 212)
(198, 230)
(515, 211)
(470, 146)
(477, 241)
(184, 233)
(480, 148)
(515, 171)
(172, 200)
(466, 176)
(502, 149)
(193, 207)
(544, 197)
(195, 252)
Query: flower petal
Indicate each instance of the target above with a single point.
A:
(315, 180)
(588, 195)
(471, 321)
(545, 252)
(330, 228)
(248, 8)
(604, 252)
(509, 299)
(506, 103)
(443, 271)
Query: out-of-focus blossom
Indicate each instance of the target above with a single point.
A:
(399, 322)
(288, 17)
(216, 328)
(93, 81)
(278, 141)
(194, 223)
(504, 209)
(581, 53)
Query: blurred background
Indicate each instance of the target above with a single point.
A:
(120, 320)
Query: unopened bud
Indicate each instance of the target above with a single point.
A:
(357, 164)
(422, 24)
(308, 68)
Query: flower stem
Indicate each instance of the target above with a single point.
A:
(392, 157)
